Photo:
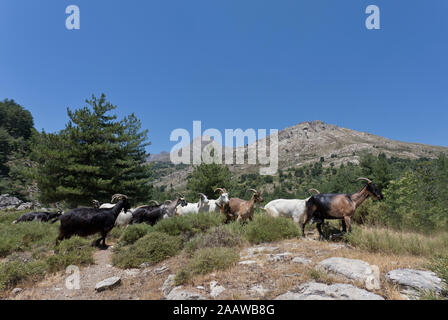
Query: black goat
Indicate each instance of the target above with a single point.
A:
(39, 216)
(338, 206)
(153, 214)
(87, 221)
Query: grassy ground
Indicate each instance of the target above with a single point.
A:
(201, 245)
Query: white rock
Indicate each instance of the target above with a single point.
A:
(132, 272)
(301, 260)
(109, 283)
(16, 291)
(216, 290)
(321, 291)
(168, 285)
(286, 256)
(247, 262)
(352, 269)
(162, 269)
(412, 281)
(178, 294)
(258, 290)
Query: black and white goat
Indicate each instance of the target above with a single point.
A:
(51, 217)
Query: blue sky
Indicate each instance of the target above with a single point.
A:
(233, 64)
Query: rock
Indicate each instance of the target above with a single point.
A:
(286, 256)
(352, 269)
(178, 294)
(8, 202)
(132, 272)
(216, 290)
(321, 291)
(161, 270)
(200, 288)
(256, 251)
(258, 290)
(145, 265)
(301, 260)
(168, 285)
(109, 283)
(16, 291)
(412, 281)
(25, 206)
(247, 262)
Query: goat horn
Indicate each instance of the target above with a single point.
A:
(221, 190)
(315, 190)
(253, 190)
(179, 195)
(364, 179)
(167, 201)
(157, 204)
(118, 196)
(202, 195)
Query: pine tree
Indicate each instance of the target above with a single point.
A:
(94, 157)
(207, 177)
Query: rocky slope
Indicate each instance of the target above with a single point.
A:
(306, 143)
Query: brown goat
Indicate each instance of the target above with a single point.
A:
(241, 210)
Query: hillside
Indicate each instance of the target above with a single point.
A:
(306, 143)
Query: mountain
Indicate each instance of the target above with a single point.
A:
(306, 143)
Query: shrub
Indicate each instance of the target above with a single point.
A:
(74, 251)
(207, 260)
(154, 247)
(12, 273)
(189, 225)
(214, 238)
(390, 242)
(267, 229)
(439, 265)
(24, 236)
(133, 233)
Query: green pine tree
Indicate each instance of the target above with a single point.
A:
(94, 157)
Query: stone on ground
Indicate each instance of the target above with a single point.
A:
(352, 269)
(109, 283)
(321, 291)
(412, 281)
(179, 294)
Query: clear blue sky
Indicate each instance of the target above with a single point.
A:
(233, 63)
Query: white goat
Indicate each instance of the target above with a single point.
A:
(123, 218)
(215, 205)
(290, 208)
(192, 208)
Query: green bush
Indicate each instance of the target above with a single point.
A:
(153, 248)
(268, 229)
(439, 265)
(189, 225)
(74, 251)
(207, 260)
(12, 273)
(133, 233)
(214, 238)
(25, 236)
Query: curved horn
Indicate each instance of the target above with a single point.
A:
(177, 194)
(118, 196)
(202, 195)
(168, 202)
(253, 190)
(221, 190)
(156, 203)
(315, 190)
(364, 179)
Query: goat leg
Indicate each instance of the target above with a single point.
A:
(319, 228)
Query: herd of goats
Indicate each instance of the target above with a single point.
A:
(101, 218)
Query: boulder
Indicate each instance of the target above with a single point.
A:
(168, 285)
(179, 294)
(412, 281)
(216, 290)
(109, 283)
(352, 269)
(321, 291)
(8, 202)
(25, 206)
